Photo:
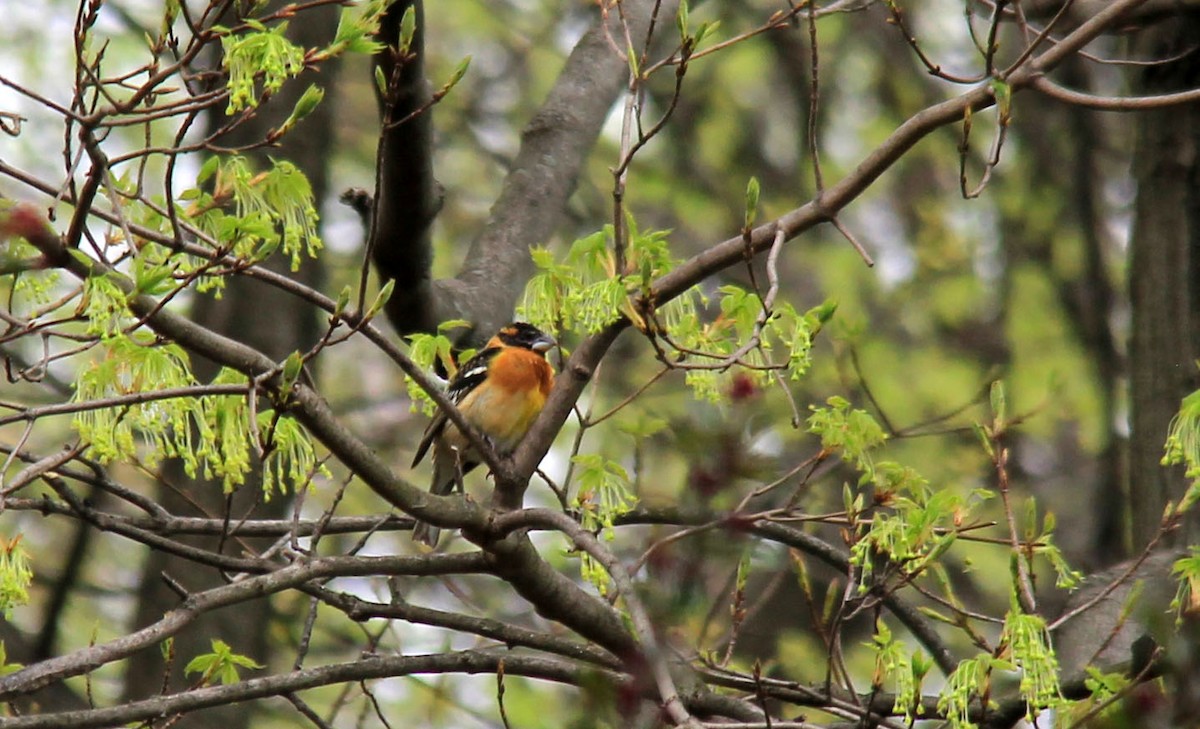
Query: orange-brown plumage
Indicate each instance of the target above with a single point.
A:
(500, 391)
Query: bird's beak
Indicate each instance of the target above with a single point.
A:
(543, 344)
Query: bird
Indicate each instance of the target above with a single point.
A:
(500, 392)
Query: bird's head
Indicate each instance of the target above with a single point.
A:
(520, 334)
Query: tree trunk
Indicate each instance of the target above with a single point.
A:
(1164, 272)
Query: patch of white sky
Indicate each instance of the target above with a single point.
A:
(29, 59)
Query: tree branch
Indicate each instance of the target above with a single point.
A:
(252, 588)
(554, 147)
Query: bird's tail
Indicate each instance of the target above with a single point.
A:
(426, 534)
(444, 478)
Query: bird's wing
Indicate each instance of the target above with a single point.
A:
(468, 377)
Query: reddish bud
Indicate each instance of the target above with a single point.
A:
(742, 387)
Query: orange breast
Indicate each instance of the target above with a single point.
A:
(518, 382)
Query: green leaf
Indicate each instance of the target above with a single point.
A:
(1183, 437)
(851, 431)
(1029, 647)
(985, 439)
(705, 30)
(291, 460)
(381, 299)
(825, 311)
(1187, 571)
(459, 71)
(15, 576)
(264, 58)
(604, 494)
(751, 201)
(305, 105)
(408, 29)
(210, 166)
(969, 681)
(1003, 93)
(451, 324)
(743, 571)
(292, 367)
(221, 664)
(381, 82)
(126, 364)
(356, 31)
(6, 667)
(343, 300)
(999, 404)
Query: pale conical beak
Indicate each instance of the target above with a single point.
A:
(543, 344)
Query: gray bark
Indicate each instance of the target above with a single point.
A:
(1164, 272)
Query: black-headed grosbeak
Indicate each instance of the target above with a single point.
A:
(500, 391)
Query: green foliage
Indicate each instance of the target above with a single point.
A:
(919, 528)
(752, 192)
(381, 299)
(226, 444)
(280, 198)
(459, 71)
(212, 434)
(584, 293)
(129, 365)
(224, 426)
(105, 306)
(852, 432)
(743, 320)
(1104, 688)
(604, 494)
(1187, 571)
(260, 52)
(1183, 446)
(1065, 576)
(892, 660)
(427, 349)
(971, 679)
(249, 215)
(15, 577)
(220, 665)
(356, 29)
(1104, 685)
(36, 286)
(305, 105)
(290, 458)
(6, 667)
(408, 29)
(1028, 645)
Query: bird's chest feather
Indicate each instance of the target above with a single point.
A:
(518, 385)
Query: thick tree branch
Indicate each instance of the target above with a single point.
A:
(638, 617)
(176, 525)
(406, 199)
(511, 635)
(366, 669)
(252, 588)
(552, 594)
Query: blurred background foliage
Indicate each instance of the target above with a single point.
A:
(1025, 284)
